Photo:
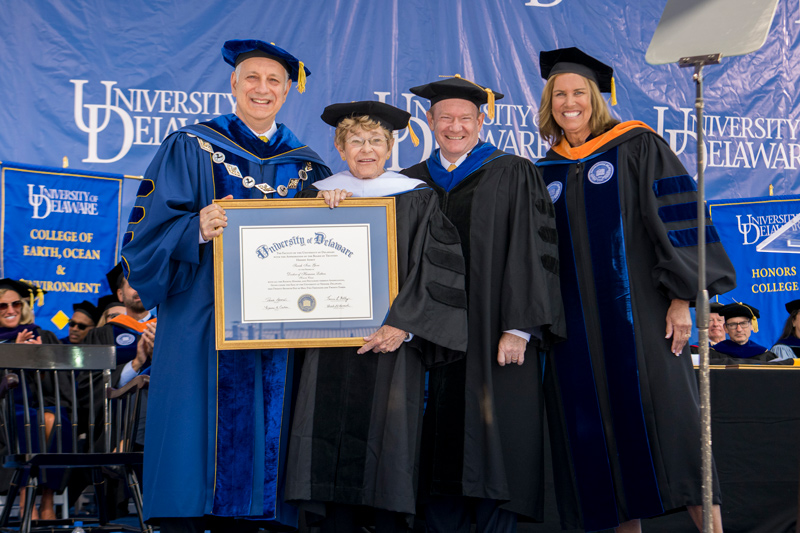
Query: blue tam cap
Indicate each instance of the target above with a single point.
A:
(236, 51)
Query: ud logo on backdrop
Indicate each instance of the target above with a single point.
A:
(732, 141)
(133, 116)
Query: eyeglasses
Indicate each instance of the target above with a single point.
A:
(375, 142)
(80, 326)
(737, 325)
(16, 305)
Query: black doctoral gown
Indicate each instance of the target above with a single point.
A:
(482, 432)
(625, 428)
(357, 421)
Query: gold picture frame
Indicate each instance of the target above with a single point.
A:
(294, 273)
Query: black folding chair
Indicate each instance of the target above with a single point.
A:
(27, 367)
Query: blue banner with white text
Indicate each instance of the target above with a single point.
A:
(103, 83)
(59, 232)
(762, 238)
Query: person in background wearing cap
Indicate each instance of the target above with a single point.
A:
(740, 322)
(622, 395)
(788, 346)
(202, 456)
(84, 318)
(716, 329)
(111, 307)
(17, 327)
(16, 314)
(132, 332)
(716, 324)
(482, 430)
(347, 399)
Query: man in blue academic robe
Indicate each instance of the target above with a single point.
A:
(740, 322)
(214, 445)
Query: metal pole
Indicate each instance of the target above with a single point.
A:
(701, 303)
(702, 312)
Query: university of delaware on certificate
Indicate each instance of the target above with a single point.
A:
(306, 273)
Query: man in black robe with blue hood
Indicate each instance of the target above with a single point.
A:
(482, 436)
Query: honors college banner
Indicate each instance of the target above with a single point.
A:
(762, 238)
(59, 232)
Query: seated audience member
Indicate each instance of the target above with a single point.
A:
(132, 331)
(716, 327)
(84, 318)
(111, 307)
(788, 346)
(16, 314)
(740, 322)
(17, 327)
(131, 328)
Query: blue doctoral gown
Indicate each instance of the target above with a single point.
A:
(213, 443)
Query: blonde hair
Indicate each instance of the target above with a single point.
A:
(600, 122)
(347, 125)
(26, 314)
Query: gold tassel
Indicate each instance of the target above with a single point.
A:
(613, 92)
(414, 138)
(489, 93)
(753, 321)
(40, 294)
(301, 77)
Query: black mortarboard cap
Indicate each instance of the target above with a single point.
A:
(236, 51)
(792, 306)
(386, 115)
(575, 61)
(109, 300)
(715, 307)
(114, 277)
(737, 309)
(458, 87)
(26, 290)
(89, 309)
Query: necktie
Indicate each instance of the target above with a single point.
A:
(451, 168)
(264, 138)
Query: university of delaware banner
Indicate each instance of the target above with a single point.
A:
(59, 231)
(762, 238)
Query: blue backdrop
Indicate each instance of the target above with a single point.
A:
(103, 83)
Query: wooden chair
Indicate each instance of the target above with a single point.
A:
(27, 367)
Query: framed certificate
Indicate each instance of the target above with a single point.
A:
(298, 274)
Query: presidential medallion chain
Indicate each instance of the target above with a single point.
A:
(248, 181)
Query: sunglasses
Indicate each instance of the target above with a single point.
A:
(14, 305)
(80, 326)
